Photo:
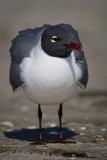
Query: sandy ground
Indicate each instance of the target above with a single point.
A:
(84, 117)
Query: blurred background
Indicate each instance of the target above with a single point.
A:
(89, 17)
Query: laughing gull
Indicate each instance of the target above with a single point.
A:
(49, 64)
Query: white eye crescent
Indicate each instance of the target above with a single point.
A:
(54, 39)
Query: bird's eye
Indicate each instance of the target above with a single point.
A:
(54, 39)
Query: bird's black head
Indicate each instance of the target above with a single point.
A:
(56, 41)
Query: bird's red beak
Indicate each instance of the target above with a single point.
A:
(74, 45)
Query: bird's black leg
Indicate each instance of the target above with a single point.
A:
(40, 121)
(60, 113)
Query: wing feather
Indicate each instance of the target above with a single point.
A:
(21, 48)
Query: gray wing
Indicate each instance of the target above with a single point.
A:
(81, 62)
(21, 47)
(15, 78)
(79, 56)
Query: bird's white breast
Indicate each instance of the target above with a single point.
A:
(48, 80)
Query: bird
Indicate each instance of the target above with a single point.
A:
(49, 64)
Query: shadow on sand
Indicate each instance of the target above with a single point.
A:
(50, 135)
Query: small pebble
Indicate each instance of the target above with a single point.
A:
(7, 123)
(9, 130)
(82, 134)
(83, 128)
(102, 139)
(103, 129)
(52, 125)
(72, 129)
(32, 127)
(99, 136)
